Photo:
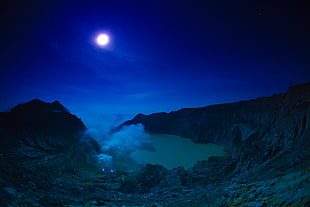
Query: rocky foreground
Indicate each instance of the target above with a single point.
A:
(46, 160)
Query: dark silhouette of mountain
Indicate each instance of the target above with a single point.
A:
(267, 125)
(42, 141)
(38, 106)
(46, 160)
(39, 119)
(267, 140)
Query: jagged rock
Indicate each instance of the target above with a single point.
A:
(145, 180)
(176, 177)
(267, 140)
(43, 140)
(267, 164)
(253, 131)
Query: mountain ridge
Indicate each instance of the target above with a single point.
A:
(52, 163)
(271, 124)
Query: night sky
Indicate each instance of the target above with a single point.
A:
(163, 55)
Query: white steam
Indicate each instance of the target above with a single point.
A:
(116, 146)
(128, 139)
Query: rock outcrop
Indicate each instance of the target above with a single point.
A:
(45, 159)
(265, 126)
(267, 140)
(43, 139)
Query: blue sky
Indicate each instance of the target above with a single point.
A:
(163, 55)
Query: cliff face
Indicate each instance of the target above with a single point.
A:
(218, 123)
(46, 161)
(43, 138)
(267, 140)
(267, 126)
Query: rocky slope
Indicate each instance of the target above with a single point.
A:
(47, 161)
(40, 142)
(266, 139)
(265, 126)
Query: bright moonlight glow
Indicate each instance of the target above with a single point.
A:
(103, 39)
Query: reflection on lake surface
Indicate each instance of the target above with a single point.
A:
(173, 151)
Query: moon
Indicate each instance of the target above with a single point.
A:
(102, 39)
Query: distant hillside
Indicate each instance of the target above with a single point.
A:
(260, 129)
(46, 159)
(42, 138)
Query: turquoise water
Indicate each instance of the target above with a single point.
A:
(173, 151)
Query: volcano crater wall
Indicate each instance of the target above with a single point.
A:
(260, 128)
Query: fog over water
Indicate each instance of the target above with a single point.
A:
(131, 147)
(173, 151)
